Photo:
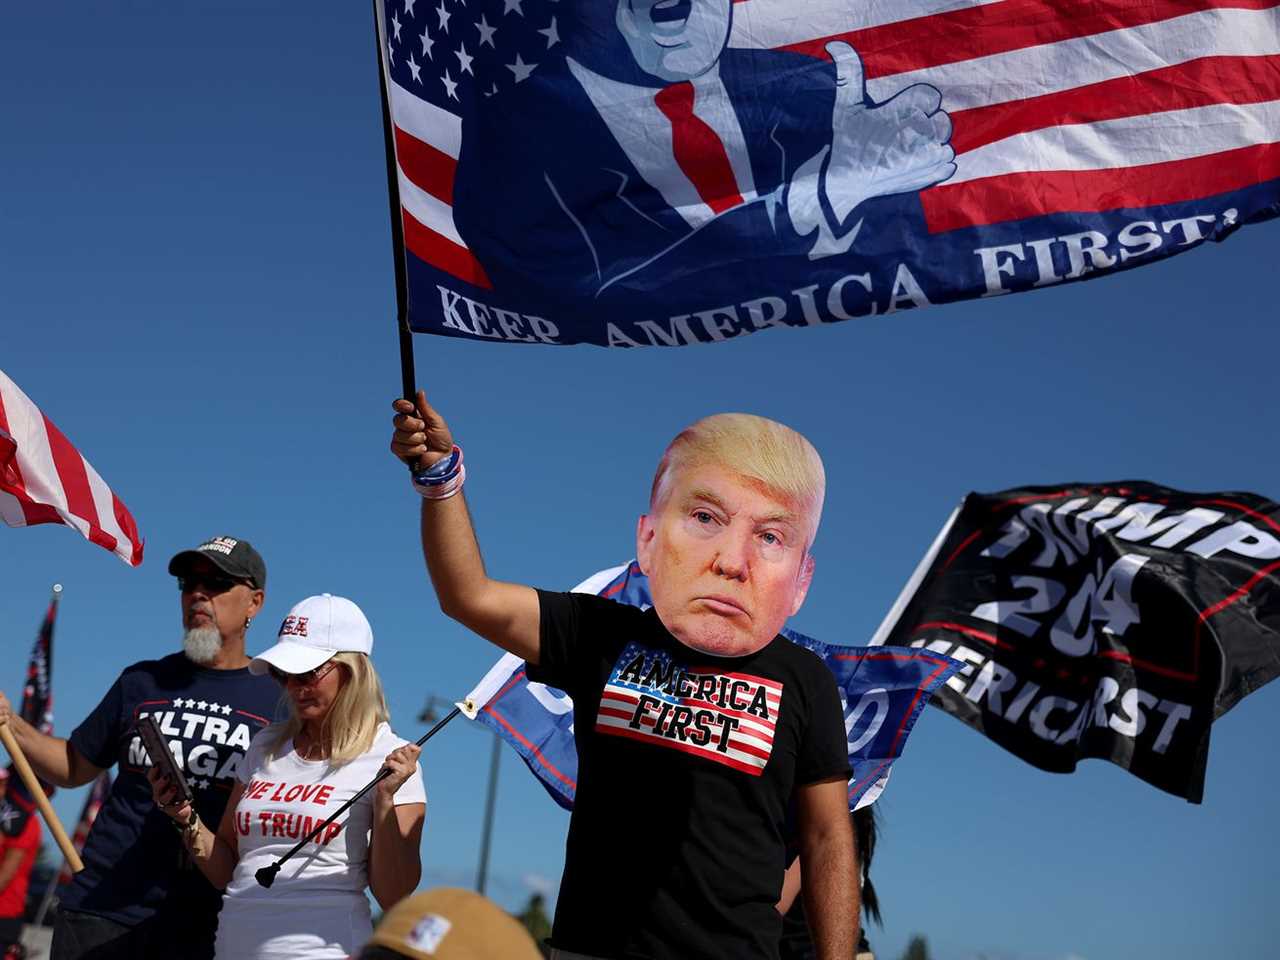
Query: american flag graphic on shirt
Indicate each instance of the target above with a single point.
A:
(729, 718)
(1088, 135)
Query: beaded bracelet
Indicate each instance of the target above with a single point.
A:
(442, 470)
(443, 491)
(442, 479)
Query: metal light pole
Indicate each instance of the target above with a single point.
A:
(482, 871)
(428, 716)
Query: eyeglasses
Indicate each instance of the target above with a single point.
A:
(307, 679)
(211, 582)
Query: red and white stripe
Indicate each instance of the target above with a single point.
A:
(747, 747)
(44, 479)
(1057, 105)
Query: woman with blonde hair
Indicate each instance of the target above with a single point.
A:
(334, 741)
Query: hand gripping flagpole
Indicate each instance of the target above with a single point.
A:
(36, 790)
(397, 223)
(267, 875)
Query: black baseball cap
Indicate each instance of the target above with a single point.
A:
(236, 558)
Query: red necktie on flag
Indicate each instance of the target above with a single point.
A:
(698, 149)
(44, 479)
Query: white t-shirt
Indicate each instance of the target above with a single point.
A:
(316, 909)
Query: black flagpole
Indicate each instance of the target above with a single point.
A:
(397, 223)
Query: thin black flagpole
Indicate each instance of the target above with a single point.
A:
(267, 875)
(397, 224)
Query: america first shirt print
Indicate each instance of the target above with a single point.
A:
(725, 717)
(698, 756)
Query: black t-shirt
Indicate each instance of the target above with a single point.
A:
(133, 864)
(686, 766)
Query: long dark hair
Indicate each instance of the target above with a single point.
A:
(866, 828)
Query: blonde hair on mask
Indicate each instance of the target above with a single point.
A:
(352, 722)
(754, 447)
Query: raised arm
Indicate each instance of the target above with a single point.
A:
(505, 614)
(53, 759)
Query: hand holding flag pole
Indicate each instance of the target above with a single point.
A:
(267, 875)
(37, 793)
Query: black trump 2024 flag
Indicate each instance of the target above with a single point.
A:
(1113, 620)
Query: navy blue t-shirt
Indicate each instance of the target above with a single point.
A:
(133, 859)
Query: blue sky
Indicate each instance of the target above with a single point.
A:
(195, 285)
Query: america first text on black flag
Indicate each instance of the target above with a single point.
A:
(1113, 620)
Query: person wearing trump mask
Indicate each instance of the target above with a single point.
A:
(698, 727)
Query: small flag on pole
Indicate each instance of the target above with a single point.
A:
(37, 710)
(44, 479)
(37, 692)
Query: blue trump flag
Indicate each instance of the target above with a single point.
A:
(640, 173)
(883, 690)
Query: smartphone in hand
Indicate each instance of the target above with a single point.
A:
(163, 760)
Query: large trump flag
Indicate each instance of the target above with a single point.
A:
(663, 172)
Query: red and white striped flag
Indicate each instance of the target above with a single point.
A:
(1070, 105)
(44, 479)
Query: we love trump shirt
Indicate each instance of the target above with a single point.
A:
(317, 908)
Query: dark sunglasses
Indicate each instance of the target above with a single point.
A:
(307, 679)
(212, 583)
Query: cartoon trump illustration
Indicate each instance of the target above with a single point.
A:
(651, 158)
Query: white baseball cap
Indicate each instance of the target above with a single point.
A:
(314, 631)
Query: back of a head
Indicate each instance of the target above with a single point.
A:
(757, 448)
(449, 923)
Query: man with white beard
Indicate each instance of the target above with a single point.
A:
(137, 897)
